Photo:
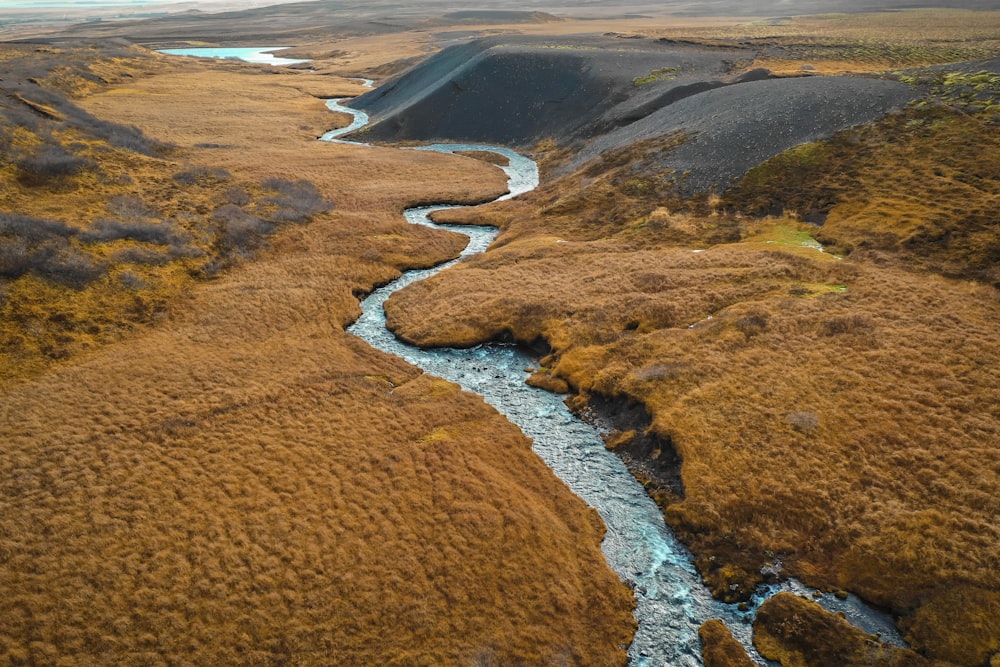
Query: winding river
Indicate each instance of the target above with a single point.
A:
(671, 601)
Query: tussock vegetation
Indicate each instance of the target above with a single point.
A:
(720, 648)
(798, 632)
(225, 487)
(101, 227)
(318, 505)
(871, 42)
(837, 417)
(920, 189)
(847, 433)
(243, 483)
(40, 247)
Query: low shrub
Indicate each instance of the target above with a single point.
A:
(54, 259)
(178, 250)
(239, 232)
(237, 195)
(20, 117)
(127, 137)
(131, 281)
(53, 161)
(198, 174)
(752, 324)
(15, 258)
(854, 323)
(145, 232)
(140, 255)
(42, 247)
(294, 201)
(69, 267)
(130, 207)
(15, 225)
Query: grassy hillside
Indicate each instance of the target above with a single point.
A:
(102, 226)
(856, 41)
(835, 418)
(797, 632)
(237, 481)
(935, 214)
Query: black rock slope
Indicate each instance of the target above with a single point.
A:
(732, 129)
(599, 93)
(518, 90)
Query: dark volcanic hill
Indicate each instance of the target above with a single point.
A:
(600, 93)
(734, 128)
(518, 90)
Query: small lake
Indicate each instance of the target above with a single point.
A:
(262, 55)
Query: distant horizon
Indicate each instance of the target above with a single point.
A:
(130, 4)
(14, 12)
(79, 4)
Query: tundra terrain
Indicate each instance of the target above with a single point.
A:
(200, 466)
(788, 288)
(763, 251)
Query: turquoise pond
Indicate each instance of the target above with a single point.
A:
(252, 54)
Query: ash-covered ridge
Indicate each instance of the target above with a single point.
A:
(602, 93)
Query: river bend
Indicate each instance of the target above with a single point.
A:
(671, 601)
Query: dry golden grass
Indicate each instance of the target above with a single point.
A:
(384, 55)
(223, 486)
(286, 495)
(255, 125)
(267, 139)
(916, 26)
(43, 320)
(798, 633)
(839, 416)
(851, 433)
(244, 483)
(376, 55)
(720, 648)
(855, 43)
(920, 189)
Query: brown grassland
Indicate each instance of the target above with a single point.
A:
(222, 475)
(720, 648)
(201, 467)
(798, 632)
(855, 43)
(837, 416)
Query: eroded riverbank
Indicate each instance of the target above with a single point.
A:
(243, 480)
(671, 600)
